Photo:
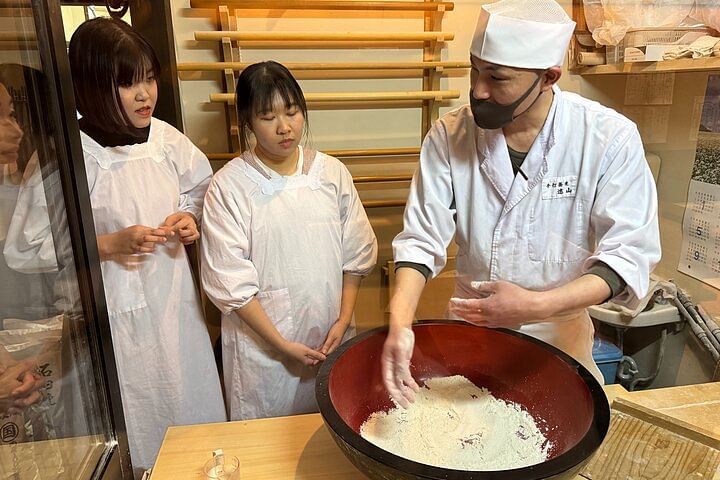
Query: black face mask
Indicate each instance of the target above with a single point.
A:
(490, 115)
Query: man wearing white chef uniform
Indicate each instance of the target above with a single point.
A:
(547, 194)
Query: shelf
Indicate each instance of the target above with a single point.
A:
(666, 66)
(326, 5)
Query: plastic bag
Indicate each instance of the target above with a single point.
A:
(609, 20)
(707, 12)
(41, 340)
(20, 456)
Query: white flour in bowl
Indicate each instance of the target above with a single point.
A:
(455, 424)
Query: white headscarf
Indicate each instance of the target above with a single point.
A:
(522, 33)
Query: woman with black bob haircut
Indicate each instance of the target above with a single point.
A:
(106, 54)
(286, 244)
(147, 182)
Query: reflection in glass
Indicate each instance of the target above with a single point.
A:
(51, 423)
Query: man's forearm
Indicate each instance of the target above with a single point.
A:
(409, 285)
(580, 293)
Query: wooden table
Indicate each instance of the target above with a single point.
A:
(297, 447)
(300, 447)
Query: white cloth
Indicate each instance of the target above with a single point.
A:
(8, 197)
(164, 357)
(287, 240)
(522, 33)
(589, 197)
(704, 46)
(658, 289)
(30, 247)
(24, 293)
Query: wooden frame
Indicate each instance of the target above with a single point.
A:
(432, 68)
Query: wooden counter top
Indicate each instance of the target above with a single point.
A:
(300, 447)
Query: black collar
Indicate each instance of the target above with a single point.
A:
(114, 139)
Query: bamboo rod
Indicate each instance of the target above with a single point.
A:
(376, 152)
(373, 152)
(301, 66)
(359, 96)
(18, 46)
(17, 36)
(382, 178)
(325, 36)
(383, 203)
(325, 5)
(15, 12)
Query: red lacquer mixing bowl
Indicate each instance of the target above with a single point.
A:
(563, 397)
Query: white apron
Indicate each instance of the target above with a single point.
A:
(165, 362)
(286, 241)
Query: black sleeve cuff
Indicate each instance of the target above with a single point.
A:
(425, 270)
(613, 280)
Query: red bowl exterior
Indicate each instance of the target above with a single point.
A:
(561, 394)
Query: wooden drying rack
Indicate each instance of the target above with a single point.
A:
(431, 40)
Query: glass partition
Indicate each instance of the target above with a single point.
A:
(55, 396)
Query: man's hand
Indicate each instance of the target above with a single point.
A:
(185, 225)
(395, 360)
(334, 337)
(301, 353)
(504, 305)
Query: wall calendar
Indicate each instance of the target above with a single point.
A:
(700, 254)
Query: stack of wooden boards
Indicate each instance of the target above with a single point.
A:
(673, 434)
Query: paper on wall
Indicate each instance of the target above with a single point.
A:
(652, 122)
(650, 89)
